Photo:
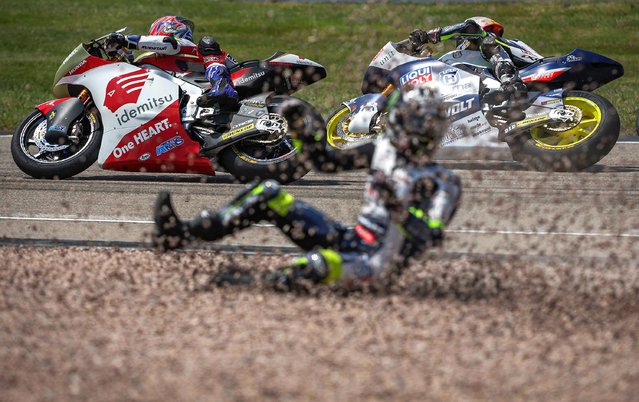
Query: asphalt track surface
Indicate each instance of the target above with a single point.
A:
(535, 295)
(506, 208)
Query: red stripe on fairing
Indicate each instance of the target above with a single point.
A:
(91, 62)
(239, 73)
(139, 154)
(48, 105)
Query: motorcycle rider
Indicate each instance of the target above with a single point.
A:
(173, 35)
(485, 34)
(408, 200)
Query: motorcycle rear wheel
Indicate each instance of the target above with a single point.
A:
(577, 147)
(55, 164)
(249, 159)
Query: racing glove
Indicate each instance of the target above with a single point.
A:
(420, 37)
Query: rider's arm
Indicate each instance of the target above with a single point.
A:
(160, 44)
(309, 132)
(466, 29)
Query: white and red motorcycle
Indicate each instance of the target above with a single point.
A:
(143, 117)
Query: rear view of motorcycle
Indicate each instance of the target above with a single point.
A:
(143, 117)
(565, 126)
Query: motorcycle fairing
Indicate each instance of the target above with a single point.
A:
(579, 69)
(159, 145)
(131, 99)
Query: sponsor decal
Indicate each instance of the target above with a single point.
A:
(457, 89)
(572, 58)
(386, 58)
(168, 145)
(450, 76)
(236, 126)
(417, 77)
(254, 76)
(253, 103)
(144, 157)
(457, 54)
(57, 128)
(150, 131)
(237, 131)
(150, 104)
(472, 120)
(142, 136)
(544, 76)
(531, 121)
(460, 107)
(550, 102)
(124, 89)
(453, 134)
(52, 115)
(74, 69)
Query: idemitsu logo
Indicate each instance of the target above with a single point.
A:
(124, 89)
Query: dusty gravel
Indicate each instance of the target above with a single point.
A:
(102, 325)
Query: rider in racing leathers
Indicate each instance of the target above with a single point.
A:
(173, 35)
(408, 200)
(485, 35)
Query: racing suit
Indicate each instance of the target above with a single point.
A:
(217, 62)
(504, 55)
(406, 207)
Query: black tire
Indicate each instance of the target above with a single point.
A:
(59, 164)
(575, 148)
(248, 160)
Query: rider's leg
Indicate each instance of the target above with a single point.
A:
(303, 224)
(513, 90)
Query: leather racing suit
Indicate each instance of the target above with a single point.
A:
(406, 208)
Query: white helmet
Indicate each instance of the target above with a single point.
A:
(417, 121)
(489, 25)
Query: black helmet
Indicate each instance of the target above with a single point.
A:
(208, 46)
(417, 121)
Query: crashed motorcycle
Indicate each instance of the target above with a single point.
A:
(142, 116)
(565, 126)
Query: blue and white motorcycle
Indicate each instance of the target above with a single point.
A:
(566, 127)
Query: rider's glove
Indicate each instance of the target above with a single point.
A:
(419, 37)
(171, 40)
(117, 40)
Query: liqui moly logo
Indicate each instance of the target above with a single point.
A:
(124, 89)
(417, 77)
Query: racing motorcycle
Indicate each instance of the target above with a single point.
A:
(564, 125)
(143, 116)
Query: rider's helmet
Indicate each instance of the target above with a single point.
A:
(175, 26)
(489, 25)
(417, 122)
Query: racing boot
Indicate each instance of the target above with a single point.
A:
(317, 267)
(170, 232)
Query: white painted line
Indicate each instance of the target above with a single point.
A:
(73, 219)
(630, 234)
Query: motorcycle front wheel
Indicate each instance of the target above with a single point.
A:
(337, 134)
(268, 157)
(41, 160)
(575, 146)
